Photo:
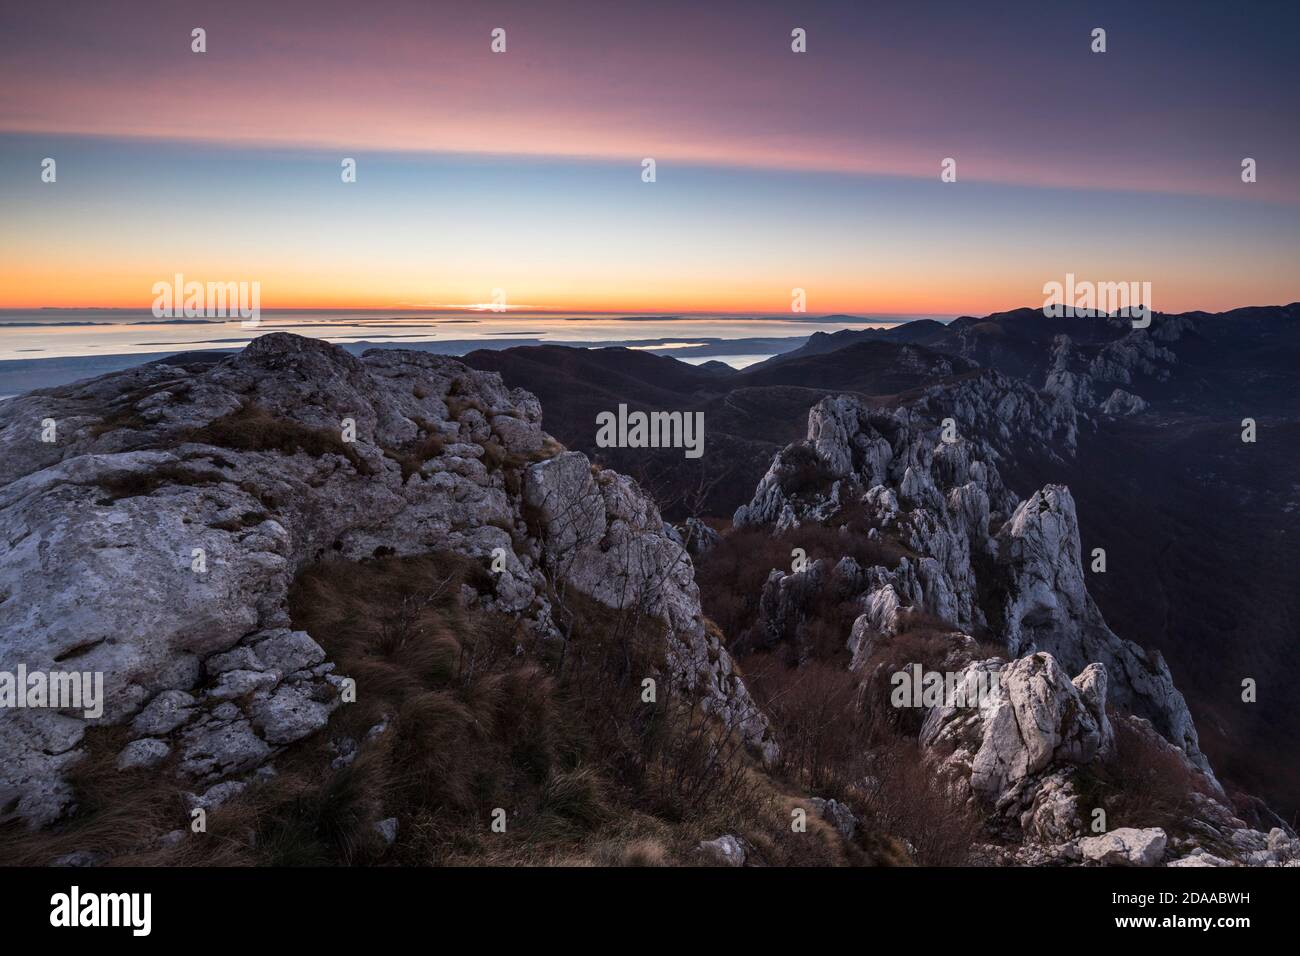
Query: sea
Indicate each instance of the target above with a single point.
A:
(45, 347)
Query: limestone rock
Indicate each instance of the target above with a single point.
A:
(1121, 403)
(1035, 718)
(1048, 608)
(1125, 847)
(837, 815)
(698, 538)
(1055, 816)
(143, 754)
(726, 850)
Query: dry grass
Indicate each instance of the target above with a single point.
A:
(457, 403)
(132, 484)
(117, 811)
(253, 428)
(840, 739)
(412, 456)
(477, 718)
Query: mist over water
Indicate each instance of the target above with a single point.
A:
(65, 333)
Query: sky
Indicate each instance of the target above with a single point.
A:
(522, 171)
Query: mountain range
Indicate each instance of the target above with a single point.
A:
(1202, 530)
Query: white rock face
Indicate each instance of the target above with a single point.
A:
(245, 460)
(1048, 608)
(935, 495)
(1054, 816)
(698, 537)
(143, 754)
(1125, 847)
(1135, 354)
(1036, 719)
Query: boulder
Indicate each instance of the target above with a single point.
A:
(726, 850)
(1125, 847)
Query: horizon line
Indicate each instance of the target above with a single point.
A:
(629, 314)
(514, 311)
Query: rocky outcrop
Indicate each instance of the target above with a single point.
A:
(698, 537)
(1027, 751)
(935, 495)
(938, 494)
(1135, 354)
(1047, 607)
(1122, 403)
(981, 561)
(903, 452)
(1079, 374)
(837, 815)
(1034, 719)
(155, 540)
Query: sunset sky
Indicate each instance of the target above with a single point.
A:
(522, 171)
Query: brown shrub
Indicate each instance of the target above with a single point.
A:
(494, 454)
(1145, 782)
(815, 710)
(922, 644)
(732, 575)
(832, 747)
(457, 404)
(904, 796)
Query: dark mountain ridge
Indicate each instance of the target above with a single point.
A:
(1201, 529)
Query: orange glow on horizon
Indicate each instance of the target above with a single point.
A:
(89, 293)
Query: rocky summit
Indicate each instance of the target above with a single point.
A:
(156, 540)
